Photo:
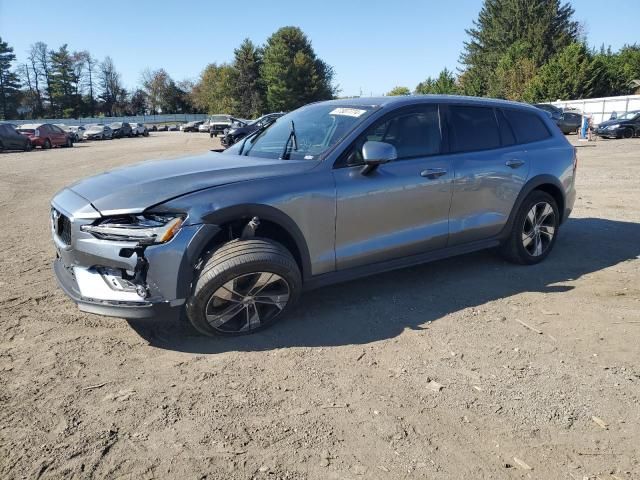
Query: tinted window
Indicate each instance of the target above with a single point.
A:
(414, 133)
(506, 134)
(472, 128)
(527, 126)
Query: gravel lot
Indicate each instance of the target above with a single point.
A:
(345, 388)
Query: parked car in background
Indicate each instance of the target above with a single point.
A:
(235, 133)
(191, 126)
(173, 128)
(330, 192)
(78, 131)
(138, 129)
(567, 122)
(11, 139)
(625, 125)
(121, 129)
(151, 127)
(98, 131)
(162, 128)
(75, 132)
(46, 135)
(219, 123)
(204, 127)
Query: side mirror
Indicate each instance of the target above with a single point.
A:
(375, 154)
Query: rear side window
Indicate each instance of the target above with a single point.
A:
(527, 126)
(472, 128)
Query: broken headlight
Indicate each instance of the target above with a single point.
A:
(146, 229)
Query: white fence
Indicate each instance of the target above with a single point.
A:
(601, 108)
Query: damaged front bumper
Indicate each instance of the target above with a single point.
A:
(122, 278)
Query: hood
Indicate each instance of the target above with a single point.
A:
(137, 187)
(606, 123)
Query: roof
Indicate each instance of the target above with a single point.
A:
(412, 99)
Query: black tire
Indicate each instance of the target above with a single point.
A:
(1, 147)
(236, 261)
(69, 143)
(28, 147)
(627, 133)
(47, 144)
(514, 248)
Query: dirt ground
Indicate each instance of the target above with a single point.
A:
(421, 373)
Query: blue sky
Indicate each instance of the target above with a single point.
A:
(372, 45)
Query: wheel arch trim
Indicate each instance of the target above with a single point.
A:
(531, 185)
(269, 214)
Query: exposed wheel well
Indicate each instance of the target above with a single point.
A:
(267, 229)
(556, 194)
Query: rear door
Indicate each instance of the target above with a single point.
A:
(490, 170)
(58, 136)
(402, 207)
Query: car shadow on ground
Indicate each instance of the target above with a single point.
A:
(382, 306)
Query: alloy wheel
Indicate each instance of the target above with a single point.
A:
(247, 302)
(539, 229)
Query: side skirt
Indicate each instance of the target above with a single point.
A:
(395, 264)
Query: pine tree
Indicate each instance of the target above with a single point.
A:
(444, 84)
(9, 83)
(398, 92)
(63, 82)
(292, 73)
(248, 89)
(546, 26)
(571, 74)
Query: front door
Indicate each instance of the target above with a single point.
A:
(402, 207)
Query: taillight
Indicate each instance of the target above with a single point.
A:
(37, 132)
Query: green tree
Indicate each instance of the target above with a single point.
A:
(571, 74)
(63, 82)
(248, 88)
(214, 92)
(444, 84)
(292, 73)
(9, 83)
(545, 26)
(398, 91)
(514, 72)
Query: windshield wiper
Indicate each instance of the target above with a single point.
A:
(294, 143)
(254, 134)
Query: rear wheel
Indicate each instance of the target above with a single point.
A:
(627, 133)
(534, 230)
(47, 144)
(69, 143)
(243, 287)
(28, 147)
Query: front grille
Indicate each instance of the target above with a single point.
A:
(62, 226)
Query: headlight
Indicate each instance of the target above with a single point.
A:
(613, 127)
(232, 131)
(146, 229)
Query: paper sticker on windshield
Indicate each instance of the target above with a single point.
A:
(308, 157)
(348, 112)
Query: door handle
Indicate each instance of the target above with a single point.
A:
(433, 173)
(514, 163)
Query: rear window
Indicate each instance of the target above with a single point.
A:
(527, 126)
(29, 131)
(472, 128)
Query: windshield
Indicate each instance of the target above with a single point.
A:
(219, 118)
(318, 127)
(116, 125)
(628, 116)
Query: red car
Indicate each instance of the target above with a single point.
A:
(46, 135)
